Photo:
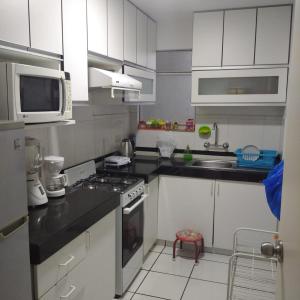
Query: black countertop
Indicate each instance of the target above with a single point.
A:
(148, 167)
(57, 223)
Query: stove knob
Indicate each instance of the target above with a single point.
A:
(130, 196)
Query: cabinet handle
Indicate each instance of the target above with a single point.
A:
(71, 291)
(68, 261)
(218, 190)
(212, 189)
(12, 228)
(88, 239)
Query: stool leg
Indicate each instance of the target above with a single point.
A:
(202, 245)
(197, 252)
(174, 248)
(181, 245)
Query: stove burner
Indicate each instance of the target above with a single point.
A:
(107, 183)
(89, 186)
(128, 181)
(116, 189)
(101, 179)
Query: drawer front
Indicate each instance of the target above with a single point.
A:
(71, 287)
(48, 273)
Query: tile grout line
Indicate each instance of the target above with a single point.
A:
(189, 278)
(148, 271)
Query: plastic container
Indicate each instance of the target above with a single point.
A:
(266, 159)
(187, 156)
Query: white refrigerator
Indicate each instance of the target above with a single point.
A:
(15, 277)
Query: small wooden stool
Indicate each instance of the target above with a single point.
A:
(190, 236)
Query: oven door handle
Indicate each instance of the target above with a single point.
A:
(127, 211)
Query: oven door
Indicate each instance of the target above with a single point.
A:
(132, 228)
(38, 94)
(148, 80)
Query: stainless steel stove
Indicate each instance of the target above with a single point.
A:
(129, 216)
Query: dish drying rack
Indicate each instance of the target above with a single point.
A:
(251, 276)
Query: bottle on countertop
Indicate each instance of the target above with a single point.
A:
(187, 156)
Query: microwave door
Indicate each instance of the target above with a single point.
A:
(41, 99)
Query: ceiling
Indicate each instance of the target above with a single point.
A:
(161, 10)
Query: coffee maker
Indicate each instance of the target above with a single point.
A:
(54, 181)
(34, 159)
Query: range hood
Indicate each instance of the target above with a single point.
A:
(120, 85)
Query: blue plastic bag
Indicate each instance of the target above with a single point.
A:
(273, 188)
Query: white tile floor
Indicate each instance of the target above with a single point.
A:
(163, 278)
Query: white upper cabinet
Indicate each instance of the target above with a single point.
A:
(97, 26)
(264, 86)
(207, 39)
(273, 35)
(75, 47)
(14, 23)
(46, 25)
(130, 22)
(239, 37)
(141, 39)
(115, 29)
(151, 44)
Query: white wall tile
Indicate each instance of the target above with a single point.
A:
(61, 143)
(98, 131)
(84, 146)
(262, 127)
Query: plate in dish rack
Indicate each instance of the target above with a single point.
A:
(250, 152)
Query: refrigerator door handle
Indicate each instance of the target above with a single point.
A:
(12, 228)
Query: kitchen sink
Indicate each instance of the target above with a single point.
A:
(213, 163)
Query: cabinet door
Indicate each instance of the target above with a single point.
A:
(72, 286)
(75, 47)
(115, 29)
(14, 23)
(97, 26)
(239, 37)
(185, 203)
(273, 35)
(242, 87)
(100, 268)
(151, 215)
(151, 45)
(240, 204)
(141, 39)
(130, 22)
(207, 39)
(46, 25)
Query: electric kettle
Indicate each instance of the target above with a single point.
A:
(126, 148)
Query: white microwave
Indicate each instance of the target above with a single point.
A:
(33, 94)
(148, 80)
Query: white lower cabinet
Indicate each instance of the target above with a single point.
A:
(150, 215)
(83, 269)
(100, 265)
(185, 203)
(240, 204)
(72, 286)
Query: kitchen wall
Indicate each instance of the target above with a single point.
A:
(262, 127)
(175, 33)
(239, 126)
(99, 130)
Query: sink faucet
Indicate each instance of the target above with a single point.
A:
(216, 146)
(215, 129)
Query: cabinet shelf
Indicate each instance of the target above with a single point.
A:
(50, 124)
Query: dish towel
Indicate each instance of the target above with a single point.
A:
(273, 188)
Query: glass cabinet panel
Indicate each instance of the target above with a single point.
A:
(241, 86)
(238, 85)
